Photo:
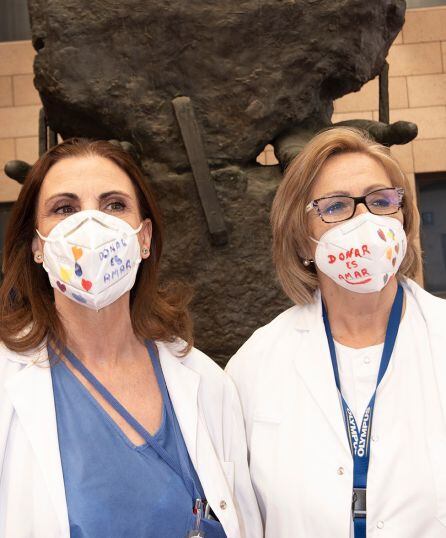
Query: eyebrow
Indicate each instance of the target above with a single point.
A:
(377, 186)
(70, 195)
(105, 195)
(334, 193)
(73, 196)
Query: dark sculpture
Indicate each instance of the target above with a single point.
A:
(255, 73)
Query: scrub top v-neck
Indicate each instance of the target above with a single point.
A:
(113, 487)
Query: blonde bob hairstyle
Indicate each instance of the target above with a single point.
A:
(289, 218)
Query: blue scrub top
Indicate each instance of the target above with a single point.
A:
(114, 488)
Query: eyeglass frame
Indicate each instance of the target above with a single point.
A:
(357, 200)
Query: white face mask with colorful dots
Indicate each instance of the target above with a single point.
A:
(92, 257)
(362, 254)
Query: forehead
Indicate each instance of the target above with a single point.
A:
(85, 175)
(350, 172)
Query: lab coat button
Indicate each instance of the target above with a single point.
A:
(223, 505)
(366, 360)
(341, 470)
(380, 524)
(375, 438)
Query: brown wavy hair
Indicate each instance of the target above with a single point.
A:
(289, 218)
(28, 314)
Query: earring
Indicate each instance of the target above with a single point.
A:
(145, 251)
(307, 262)
(38, 257)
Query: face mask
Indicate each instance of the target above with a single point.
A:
(92, 257)
(363, 253)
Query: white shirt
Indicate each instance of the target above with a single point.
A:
(359, 367)
(300, 460)
(358, 372)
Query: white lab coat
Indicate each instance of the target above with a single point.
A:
(300, 462)
(32, 495)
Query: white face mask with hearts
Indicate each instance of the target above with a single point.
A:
(92, 257)
(362, 254)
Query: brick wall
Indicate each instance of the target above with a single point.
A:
(19, 111)
(417, 92)
(417, 87)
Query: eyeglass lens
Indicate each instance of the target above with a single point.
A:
(380, 202)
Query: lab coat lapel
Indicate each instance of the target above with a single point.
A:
(31, 393)
(182, 384)
(433, 311)
(313, 364)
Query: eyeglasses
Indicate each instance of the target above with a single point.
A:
(338, 208)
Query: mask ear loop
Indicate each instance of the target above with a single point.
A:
(137, 230)
(42, 237)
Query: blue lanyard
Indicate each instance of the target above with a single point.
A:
(359, 439)
(184, 472)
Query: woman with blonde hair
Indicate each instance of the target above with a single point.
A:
(344, 394)
(111, 423)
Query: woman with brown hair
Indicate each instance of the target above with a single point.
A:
(111, 423)
(344, 394)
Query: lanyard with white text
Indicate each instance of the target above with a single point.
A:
(359, 439)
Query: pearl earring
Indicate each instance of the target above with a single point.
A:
(307, 262)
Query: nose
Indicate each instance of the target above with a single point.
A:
(360, 209)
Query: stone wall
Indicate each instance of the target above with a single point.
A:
(417, 93)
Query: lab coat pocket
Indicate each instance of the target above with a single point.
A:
(228, 469)
(263, 449)
(437, 451)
